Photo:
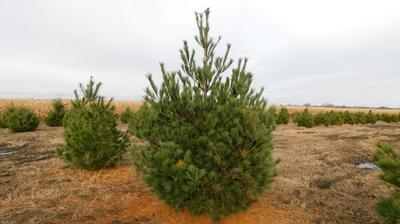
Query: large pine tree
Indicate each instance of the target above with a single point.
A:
(209, 137)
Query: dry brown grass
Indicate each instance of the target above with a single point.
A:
(34, 190)
(317, 182)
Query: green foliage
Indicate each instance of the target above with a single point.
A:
(208, 138)
(335, 118)
(389, 208)
(322, 119)
(272, 111)
(20, 119)
(340, 118)
(393, 118)
(379, 117)
(388, 161)
(283, 116)
(329, 118)
(389, 118)
(349, 118)
(126, 115)
(92, 140)
(139, 121)
(305, 119)
(2, 121)
(56, 115)
(360, 118)
(7, 114)
(371, 117)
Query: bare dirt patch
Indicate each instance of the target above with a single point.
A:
(318, 182)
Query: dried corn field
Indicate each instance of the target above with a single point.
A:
(42, 106)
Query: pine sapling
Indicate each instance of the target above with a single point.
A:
(92, 140)
(305, 119)
(56, 115)
(283, 116)
(20, 119)
(126, 115)
(371, 117)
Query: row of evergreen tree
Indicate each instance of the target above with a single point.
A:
(21, 119)
(307, 119)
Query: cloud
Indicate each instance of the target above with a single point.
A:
(341, 52)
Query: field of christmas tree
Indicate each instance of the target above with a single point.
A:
(203, 146)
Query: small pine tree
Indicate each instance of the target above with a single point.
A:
(388, 160)
(371, 117)
(20, 119)
(2, 121)
(126, 115)
(389, 118)
(379, 117)
(361, 118)
(92, 140)
(272, 111)
(305, 119)
(349, 118)
(10, 109)
(140, 120)
(386, 117)
(336, 118)
(283, 116)
(209, 138)
(55, 117)
(322, 119)
(394, 118)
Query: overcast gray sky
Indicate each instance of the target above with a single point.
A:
(344, 52)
